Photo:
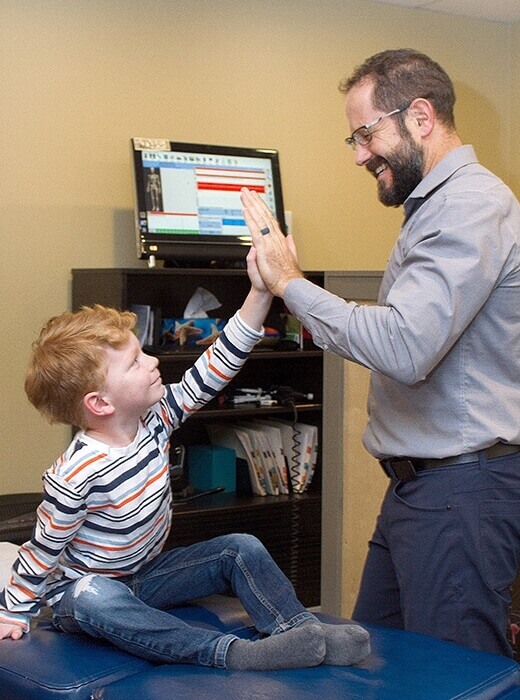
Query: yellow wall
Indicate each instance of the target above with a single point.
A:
(513, 136)
(78, 79)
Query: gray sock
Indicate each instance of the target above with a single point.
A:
(346, 644)
(298, 647)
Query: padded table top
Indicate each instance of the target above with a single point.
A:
(49, 665)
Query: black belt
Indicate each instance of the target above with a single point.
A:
(407, 468)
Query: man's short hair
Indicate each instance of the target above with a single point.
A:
(400, 76)
(68, 360)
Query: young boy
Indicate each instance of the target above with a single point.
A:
(95, 553)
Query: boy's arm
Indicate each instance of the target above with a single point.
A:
(13, 623)
(219, 364)
(38, 558)
(258, 301)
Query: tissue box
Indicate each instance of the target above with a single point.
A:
(190, 331)
(210, 466)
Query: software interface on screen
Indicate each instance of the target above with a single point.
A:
(199, 193)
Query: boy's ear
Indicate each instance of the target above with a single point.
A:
(96, 404)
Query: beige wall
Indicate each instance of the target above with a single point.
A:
(514, 136)
(78, 79)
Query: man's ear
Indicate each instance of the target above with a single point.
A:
(423, 116)
(96, 404)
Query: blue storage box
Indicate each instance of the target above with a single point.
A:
(210, 466)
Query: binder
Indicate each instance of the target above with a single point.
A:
(300, 443)
(274, 438)
(263, 456)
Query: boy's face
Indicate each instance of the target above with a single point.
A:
(133, 382)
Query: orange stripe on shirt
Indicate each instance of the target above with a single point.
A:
(53, 524)
(226, 377)
(35, 559)
(165, 416)
(11, 621)
(29, 594)
(83, 465)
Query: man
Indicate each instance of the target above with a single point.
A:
(443, 345)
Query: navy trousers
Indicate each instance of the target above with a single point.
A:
(445, 552)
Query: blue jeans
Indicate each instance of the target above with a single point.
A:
(445, 552)
(130, 611)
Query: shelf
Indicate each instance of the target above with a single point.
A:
(258, 354)
(237, 501)
(249, 409)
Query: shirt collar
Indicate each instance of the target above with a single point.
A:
(456, 159)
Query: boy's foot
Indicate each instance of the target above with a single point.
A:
(298, 647)
(345, 644)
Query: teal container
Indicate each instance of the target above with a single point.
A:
(211, 466)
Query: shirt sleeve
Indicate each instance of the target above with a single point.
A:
(443, 269)
(59, 516)
(212, 371)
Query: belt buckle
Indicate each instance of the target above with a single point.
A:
(399, 468)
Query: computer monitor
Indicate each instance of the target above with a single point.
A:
(188, 209)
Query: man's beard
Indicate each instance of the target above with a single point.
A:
(406, 164)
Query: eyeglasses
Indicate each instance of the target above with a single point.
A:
(362, 135)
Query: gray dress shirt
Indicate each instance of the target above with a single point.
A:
(443, 342)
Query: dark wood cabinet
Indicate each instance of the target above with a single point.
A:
(289, 526)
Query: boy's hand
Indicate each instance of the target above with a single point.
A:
(10, 631)
(254, 274)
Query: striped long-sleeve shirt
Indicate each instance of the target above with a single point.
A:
(107, 510)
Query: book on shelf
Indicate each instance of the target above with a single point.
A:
(308, 454)
(263, 455)
(147, 324)
(274, 439)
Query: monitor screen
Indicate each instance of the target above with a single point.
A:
(188, 209)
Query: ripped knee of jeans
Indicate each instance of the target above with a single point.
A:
(87, 584)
